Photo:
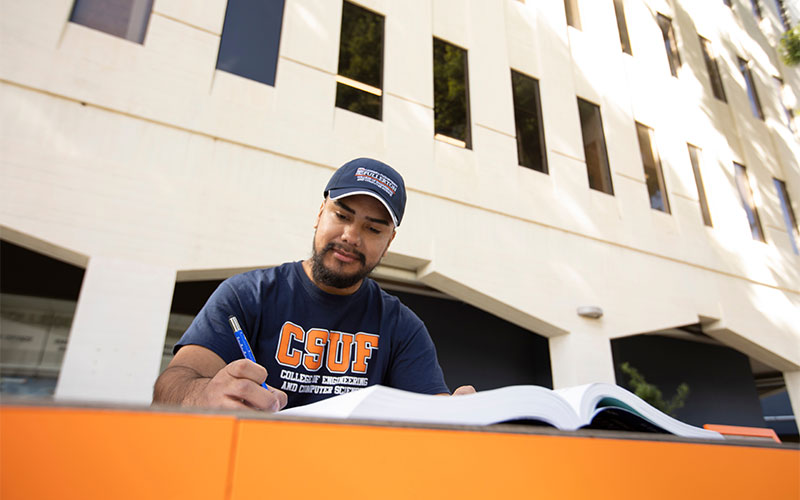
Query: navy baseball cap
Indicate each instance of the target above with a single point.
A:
(372, 178)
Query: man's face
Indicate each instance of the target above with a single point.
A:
(352, 235)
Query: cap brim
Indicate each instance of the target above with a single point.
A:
(336, 194)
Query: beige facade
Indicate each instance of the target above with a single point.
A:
(144, 164)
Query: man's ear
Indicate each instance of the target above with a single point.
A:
(385, 250)
(319, 214)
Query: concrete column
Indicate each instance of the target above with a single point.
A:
(792, 380)
(117, 336)
(580, 358)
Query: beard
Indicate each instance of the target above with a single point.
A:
(330, 277)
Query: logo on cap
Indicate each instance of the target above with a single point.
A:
(376, 178)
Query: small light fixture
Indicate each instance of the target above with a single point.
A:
(593, 312)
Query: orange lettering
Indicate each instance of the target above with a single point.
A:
(339, 348)
(288, 355)
(365, 343)
(315, 348)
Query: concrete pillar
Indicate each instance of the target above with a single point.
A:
(117, 336)
(792, 380)
(580, 358)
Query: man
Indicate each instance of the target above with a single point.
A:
(319, 327)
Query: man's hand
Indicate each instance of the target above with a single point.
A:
(198, 377)
(238, 386)
(464, 389)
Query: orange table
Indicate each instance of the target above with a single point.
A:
(95, 453)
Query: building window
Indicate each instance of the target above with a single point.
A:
(746, 195)
(756, 9)
(594, 147)
(787, 112)
(694, 156)
(573, 14)
(784, 15)
(755, 103)
(670, 44)
(653, 174)
(451, 94)
(123, 18)
(251, 38)
(359, 82)
(713, 70)
(788, 214)
(528, 119)
(622, 26)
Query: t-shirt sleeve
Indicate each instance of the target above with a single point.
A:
(414, 365)
(210, 328)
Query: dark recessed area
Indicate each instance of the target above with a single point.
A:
(25, 272)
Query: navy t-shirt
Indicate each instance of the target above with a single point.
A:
(313, 344)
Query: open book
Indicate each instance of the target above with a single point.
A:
(599, 406)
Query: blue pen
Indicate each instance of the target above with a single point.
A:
(243, 344)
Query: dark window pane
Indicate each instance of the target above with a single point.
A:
(358, 101)
(123, 18)
(755, 103)
(670, 44)
(360, 61)
(749, 204)
(694, 156)
(451, 92)
(622, 26)
(713, 70)
(787, 25)
(787, 111)
(528, 118)
(594, 147)
(653, 175)
(788, 214)
(756, 9)
(251, 38)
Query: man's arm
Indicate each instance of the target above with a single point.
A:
(197, 376)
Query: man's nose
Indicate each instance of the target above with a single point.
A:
(351, 234)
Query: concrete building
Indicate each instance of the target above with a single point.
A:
(657, 222)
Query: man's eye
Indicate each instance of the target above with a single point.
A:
(375, 230)
(340, 216)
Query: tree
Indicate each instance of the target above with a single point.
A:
(789, 47)
(652, 394)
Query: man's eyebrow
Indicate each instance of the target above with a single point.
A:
(341, 205)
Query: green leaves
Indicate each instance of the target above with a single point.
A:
(652, 394)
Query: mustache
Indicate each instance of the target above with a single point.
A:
(344, 248)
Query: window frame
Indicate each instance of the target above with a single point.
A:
(789, 217)
(622, 27)
(465, 141)
(541, 154)
(603, 169)
(750, 86)
(240, 37)
(670, 43)
(695, 155)
(347, 83)
(573, 13)
(139, 13)
(712, 66)
(656, 167)
(745, 190)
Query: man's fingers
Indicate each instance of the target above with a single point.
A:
(244, 368)
(280, 396)
(464, 389)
